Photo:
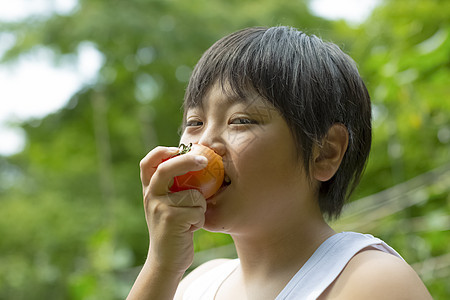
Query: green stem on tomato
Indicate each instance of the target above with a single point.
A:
(184, 149)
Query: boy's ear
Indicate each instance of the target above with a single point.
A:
(328, 155)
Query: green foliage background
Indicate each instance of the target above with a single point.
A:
(71, 218)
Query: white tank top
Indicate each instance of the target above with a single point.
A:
(321, 269)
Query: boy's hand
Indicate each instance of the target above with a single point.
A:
(171, 217)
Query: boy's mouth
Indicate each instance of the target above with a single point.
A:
(226, 182)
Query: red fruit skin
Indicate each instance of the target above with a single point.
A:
(208, 180)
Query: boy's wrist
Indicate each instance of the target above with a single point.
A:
(163, 269)
(155, 281)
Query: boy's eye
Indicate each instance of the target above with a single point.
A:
(194, 123)
(243, 121)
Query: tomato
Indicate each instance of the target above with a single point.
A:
(208, 180)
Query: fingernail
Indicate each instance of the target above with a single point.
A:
(201, 160)
(173, 149)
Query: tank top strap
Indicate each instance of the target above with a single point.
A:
(327, 262)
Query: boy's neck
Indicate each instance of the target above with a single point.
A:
(281, 250)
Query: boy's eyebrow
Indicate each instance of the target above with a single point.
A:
(193, 109)
(227, 99)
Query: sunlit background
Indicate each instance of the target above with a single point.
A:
(88, 87)
(34, 74)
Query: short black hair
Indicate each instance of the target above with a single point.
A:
(312, 83)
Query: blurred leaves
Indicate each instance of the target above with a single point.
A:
(71, 219)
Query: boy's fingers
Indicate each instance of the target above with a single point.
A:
(184, 208)
(187, 198)
(150, 162)
(163, 175)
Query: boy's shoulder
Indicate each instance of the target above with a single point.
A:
(374, 274)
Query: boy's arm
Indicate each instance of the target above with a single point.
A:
(171, 219)
(155, 283)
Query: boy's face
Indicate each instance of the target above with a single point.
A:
(268, 182)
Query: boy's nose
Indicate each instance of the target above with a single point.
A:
(214, 142)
